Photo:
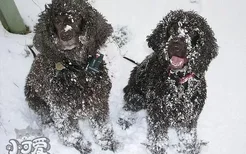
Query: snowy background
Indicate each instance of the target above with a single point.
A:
(223, 120)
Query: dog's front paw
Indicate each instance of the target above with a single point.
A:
(157, 146)
(154, 149)
(111, 145)
(84, 147)
(194, 148)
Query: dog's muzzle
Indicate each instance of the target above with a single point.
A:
(177, 50)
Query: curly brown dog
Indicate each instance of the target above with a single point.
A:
(60, 88)
(170, 83)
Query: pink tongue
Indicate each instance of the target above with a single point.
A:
(177, 62)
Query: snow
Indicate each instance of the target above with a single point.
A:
(223, 120)
(67, 28)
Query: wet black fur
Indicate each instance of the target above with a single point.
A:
(170, 104)
(62, 97)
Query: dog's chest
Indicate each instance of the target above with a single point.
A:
(69, 82)
(78, 92)
(76, 85)
(178, 102)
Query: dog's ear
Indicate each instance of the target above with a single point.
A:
(206, 41)
(102, 28)
(159, 37)
(207, 37)
(210, 43)
(161, 33)
(98, 28)
(210, 46)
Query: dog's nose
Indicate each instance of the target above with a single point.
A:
(177, 47)
(66, 36)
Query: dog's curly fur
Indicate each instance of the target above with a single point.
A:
(58, 87)
(156, 87)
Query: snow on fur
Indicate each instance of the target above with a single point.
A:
(221, 122)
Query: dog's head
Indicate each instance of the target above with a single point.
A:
(69, 26)
(185, 40)
(72, 28)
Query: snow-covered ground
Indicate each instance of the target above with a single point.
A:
(223, 119)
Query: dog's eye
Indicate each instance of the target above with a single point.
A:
(194, 39)
(82, 24)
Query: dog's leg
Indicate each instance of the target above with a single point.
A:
(42, 110)
(103, 131)
(157, 135)
(68, 130)
(188, 141)
(38, 105)
(133, 100)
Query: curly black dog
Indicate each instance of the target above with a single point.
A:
(60, 88)
(170, 83)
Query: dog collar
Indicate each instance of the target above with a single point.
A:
(184, 78)
(93, 64)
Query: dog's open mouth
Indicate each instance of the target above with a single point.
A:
(177, 62)
(177, 52)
